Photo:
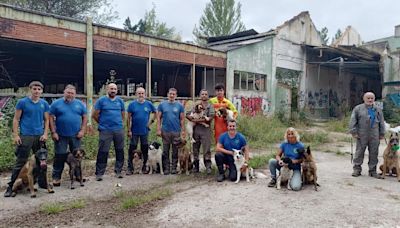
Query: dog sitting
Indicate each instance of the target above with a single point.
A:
(184, 156)
(155, 157)
(285, 173)
(225, 113)
(309, 168)
(239, 161)
(137, 162)
(74, 161)
(36, 166)
(391, 157)
(198, 114)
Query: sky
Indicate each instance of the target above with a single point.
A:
(372, 19)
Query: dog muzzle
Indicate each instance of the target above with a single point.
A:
(43, 164)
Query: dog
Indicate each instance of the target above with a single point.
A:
(391, 157)
(198, 114)
(155, 157)
(35, 166)
(285, 173)
(137, 162)
(184, 157)
(74, 161)
(239, 161)
(225, 113)
(309, 168)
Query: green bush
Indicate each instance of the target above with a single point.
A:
(341, 125)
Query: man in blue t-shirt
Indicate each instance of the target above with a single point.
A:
(170, 125)
(109, 114)
(138, 126)
(67, 124)
(32, 119)
(229, 140)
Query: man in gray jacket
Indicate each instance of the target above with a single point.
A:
(368, 128)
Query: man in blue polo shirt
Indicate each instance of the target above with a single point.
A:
(110, 114)
(229, 140)
(138, 126)
(170, 123)
(32, 119)
(67, 124)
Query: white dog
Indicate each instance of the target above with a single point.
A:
(239, 160)
(226, 114)
(285, 174)
(198, 114)
(155, 156)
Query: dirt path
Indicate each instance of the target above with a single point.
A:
(342, 201)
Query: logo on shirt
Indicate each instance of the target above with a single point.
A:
(42, 106)
(77, 106)
(146, 109)
(175, 109)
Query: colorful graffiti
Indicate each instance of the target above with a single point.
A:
(252, 105)
(325, 100)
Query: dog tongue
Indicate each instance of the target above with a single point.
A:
(395, 147)
(43, 164)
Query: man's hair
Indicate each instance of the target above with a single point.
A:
(219, 87)
(203, 90)
(172, 89)
(35, 83)
(69, 86)
(231, 121)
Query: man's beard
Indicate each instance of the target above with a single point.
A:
(112, 94)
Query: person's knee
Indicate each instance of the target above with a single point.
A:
(272, 162)
(295, 187)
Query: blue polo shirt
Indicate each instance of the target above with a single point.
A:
(171, 121)
(110, 118)
(32, 117)
(68, 116)
(290, 151)
(140, 116)
(229, 143)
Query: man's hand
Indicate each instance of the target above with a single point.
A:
(17, 140)
(81, 133)
(159, 132)
(43, 138)
(355, 136)
(55, 136)
(183, 134)
(130, 134)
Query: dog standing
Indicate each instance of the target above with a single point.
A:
(285, 173)
(137, 162)
(35, 166)
(184, 156)
(198, 114)
(239, 161)
(155, 157)
(391, 157)
(74, 161)
(309, 169)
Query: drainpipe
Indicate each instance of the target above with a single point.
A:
(88, 88)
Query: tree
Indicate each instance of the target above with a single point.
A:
(150, 25)
(337, 35)
(101, 11)
(220, 17)
(324, 35)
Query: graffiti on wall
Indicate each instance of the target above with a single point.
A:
(327, 100)
(252, 105)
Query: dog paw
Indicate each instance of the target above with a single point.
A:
(72, 187)
(82, 185)
(50, 191)
(33, 196)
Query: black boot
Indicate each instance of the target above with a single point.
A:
(221, 175)
(8, 192)
(196, 166)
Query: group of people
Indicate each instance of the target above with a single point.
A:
(67, 120)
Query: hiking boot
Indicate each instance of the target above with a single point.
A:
(118, 175)
(166, 172)
(8, 192)
(129, 172)
(356, 173)
(272, 183)
(375, 175)
(56, 183)
(99, 178)
(196, 165)
(220, 177)
(173, 171)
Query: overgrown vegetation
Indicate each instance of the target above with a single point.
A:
(56, 208)
(391, 112)
(341, 125)
(260, 161)
(139, 198)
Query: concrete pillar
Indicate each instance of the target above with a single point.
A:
(194, 77)
(89, 69)
(148, 76)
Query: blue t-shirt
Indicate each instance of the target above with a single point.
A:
(290, 151)
(229, 143)
(140, 116)
(171, 112)
(68, 116)
(110, 118)
(32, 117)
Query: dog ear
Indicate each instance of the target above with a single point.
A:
(308, 150)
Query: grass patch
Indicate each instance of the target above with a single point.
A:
(139, 199)
(77, 204)
(52, 208)
(396, 197)
(339, 125)
(314, 137)
(260, 161)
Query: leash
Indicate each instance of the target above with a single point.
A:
(351, 154)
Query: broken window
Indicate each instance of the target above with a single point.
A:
(249, 81)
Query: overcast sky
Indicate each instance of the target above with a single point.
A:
(372, 19)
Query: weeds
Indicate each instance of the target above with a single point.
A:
(260, 161)
(339, 125)
(77, 204)
(136, 200)
(52, 208)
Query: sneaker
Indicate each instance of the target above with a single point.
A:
(8, 192)
(208, 170)
(129, 172)
(220, 177)
(375, 175)
(166, 172)
(56, 183)
(99, 178)
(118, 175)
(272, 183)
(356, 173)
(173, 172)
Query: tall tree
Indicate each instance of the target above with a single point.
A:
(220, 17)
(100, 10)
(150, 25)
(338, 34)
(324, 35)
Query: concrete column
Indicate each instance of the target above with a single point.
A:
(89, 69)
(194, 77)
(148, 76)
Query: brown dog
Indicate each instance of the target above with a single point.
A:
(137, 162)
(309, 169)
(74, 161)
(35, 166)
(391, 157)
(184, 156)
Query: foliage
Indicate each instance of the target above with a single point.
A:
(341, 125)
(288, 77)
(338, 34)
(150, 25)
(137, 199)
(52, 208)
(100, 10)
(260, 161)
(324, 35)
(220, 17)
(391, 112)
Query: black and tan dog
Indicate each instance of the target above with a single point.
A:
(391, 157)
(74, 161)
(184, 156)
(36, 166)
(309, 168)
